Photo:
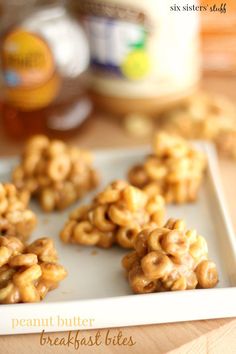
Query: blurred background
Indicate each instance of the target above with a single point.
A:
(107, 73)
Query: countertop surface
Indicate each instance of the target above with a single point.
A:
(209, 336)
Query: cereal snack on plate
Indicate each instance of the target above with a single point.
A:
(116, 215)
(174, 170)
(27, 273)
(201, 116)
(55, 173)
(15, 217)
(169, 258)
(226, 144)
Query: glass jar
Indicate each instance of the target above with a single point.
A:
(144, 55)
(44, 57)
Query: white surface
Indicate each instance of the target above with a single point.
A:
(96, 287)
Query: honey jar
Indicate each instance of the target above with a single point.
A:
(44, 55)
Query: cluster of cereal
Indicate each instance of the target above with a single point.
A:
(174, 170)
(57, 174)
(15, 218)
(169, 258)
(202, 116)
(226, 143)
(116, 215)
(27, 273)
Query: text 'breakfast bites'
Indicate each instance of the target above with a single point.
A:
(169, 258)
(27, 273)
(175, 169)
(116, 215)
(15, 217)
(56, 173)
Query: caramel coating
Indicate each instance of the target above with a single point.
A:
(169, 258)
(22, 260)
(116, 215)
(174, 170)
(44, 249)
(15, 217)
(175, 243)
(55, 173)
(27, 273)
(129, 260)
(139, 283)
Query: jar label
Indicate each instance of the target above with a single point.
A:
(129, 57)
(28, 70)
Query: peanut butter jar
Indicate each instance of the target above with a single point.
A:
(144, 54)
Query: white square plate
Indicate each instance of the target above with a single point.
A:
(96, 287)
